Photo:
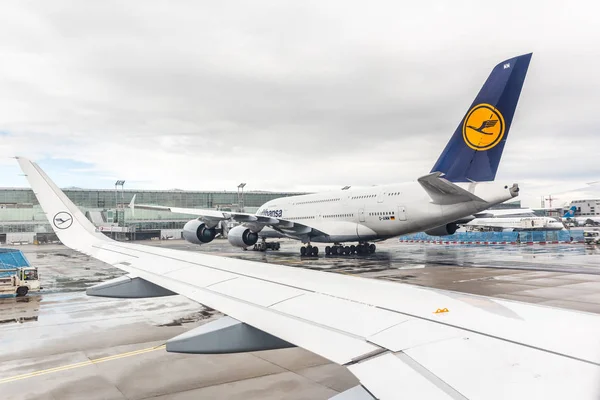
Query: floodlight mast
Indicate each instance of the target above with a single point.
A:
(241, 196)
(120, 183)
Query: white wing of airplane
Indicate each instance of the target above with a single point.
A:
(289, 228)
(504, 212)
(399, 340)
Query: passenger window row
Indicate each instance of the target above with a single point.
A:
(381, 213)
(394, 194)
(363, 197)
(339, 216)
(316, 201)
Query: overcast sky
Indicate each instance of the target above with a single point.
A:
(290, 95)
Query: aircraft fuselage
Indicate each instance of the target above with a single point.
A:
(379, 212)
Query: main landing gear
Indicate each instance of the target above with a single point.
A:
(309, 251)
(361, 249)
(338, 250)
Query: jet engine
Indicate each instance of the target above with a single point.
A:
(197, 232)
(240, 236)
(443, 230)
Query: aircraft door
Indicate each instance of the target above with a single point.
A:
(381, 196)
(401, 213)
(361, 215)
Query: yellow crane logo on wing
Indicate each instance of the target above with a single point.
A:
(483, 127)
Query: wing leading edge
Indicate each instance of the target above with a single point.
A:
(388, 334)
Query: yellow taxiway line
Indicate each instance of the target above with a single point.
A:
(80, 364)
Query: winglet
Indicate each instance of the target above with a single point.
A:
(132, 205)
(68, 222)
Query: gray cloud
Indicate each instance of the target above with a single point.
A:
(304, 96)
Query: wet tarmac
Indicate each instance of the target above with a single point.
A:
(62, 344)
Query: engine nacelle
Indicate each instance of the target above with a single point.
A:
(196, 232)
(240, 236)
(443, 230)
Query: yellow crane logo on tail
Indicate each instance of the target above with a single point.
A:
(483, 127)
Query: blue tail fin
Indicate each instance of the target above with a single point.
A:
(570, 213)
(474, 151)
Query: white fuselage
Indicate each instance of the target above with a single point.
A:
(517, 224)
(379, 212)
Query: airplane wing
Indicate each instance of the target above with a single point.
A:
(504, 212)
(400, 341)
(288, 228)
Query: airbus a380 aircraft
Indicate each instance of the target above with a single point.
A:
(458, 185)
(399, 340)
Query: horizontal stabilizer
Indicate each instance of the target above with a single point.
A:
(223, 336)
(125, 287)
(442, 191)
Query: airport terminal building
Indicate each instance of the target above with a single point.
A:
(23, 221)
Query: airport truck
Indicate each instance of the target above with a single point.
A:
(17, 276)
(591, 237)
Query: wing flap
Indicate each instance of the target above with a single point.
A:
(480, 367)
(257, 291)
(413, 332)
(355, 318)
(388, 377)
(201, 277)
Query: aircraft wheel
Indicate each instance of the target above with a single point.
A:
(327, 250)
(372, 248)
(315, 251)
(302, 251)
(352, 249)
(347, 250)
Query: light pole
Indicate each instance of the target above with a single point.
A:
(241, 196)
(120, 183)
